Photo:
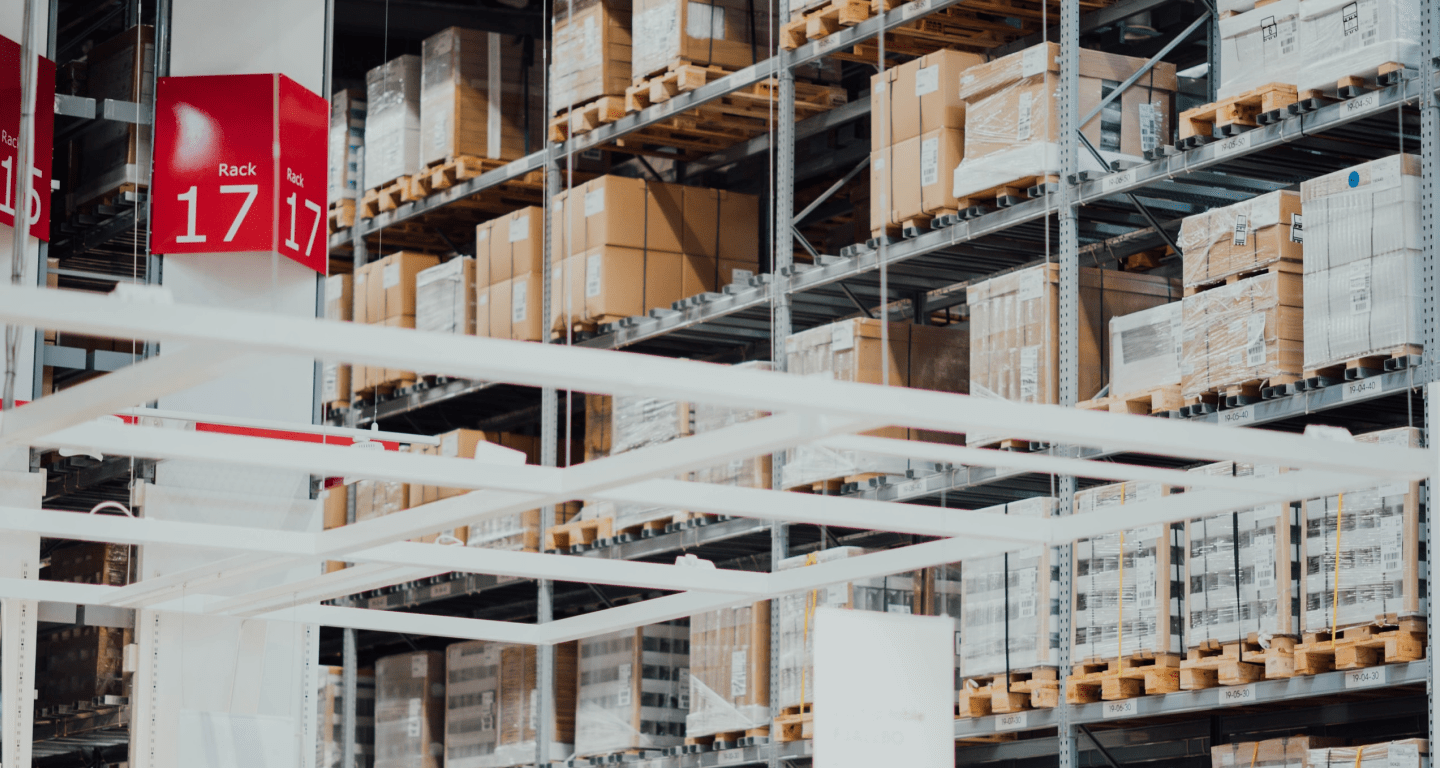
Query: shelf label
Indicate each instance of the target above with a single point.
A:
(911, 10)
(377, 602)
(908, 489)
(1117, 180)
(1233, 145)
(1126, 708)
(809, 747)
(1360, 389)
(827, 42)
(1012, 722)
(1237, 694)
(440, 590)
(1364, 101)
(505, 579)
(1365, 678)
(732, 756)
(1238, 417)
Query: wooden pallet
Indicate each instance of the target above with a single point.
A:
(585, 118)
(1352, 85)
(1362, 367)
(794, 723)
(342, 215)
(823, 21)
(1230, 116)
(728, 738)
(1004, 195)
(374, 391)
(386, 197)
(1124, 678)
(1237, 663)
(444, 174)
(1158, 400)
(1391, 642)
(563, 537)
(679, 77)
(1038, 688)
(915, 224)
(1284, 266)
(1003, 444)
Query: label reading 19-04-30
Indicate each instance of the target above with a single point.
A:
(1365, 678)
(1237, 694)
(1126, 708)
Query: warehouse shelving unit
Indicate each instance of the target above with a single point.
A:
(1084, 220)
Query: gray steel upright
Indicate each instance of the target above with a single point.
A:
(549, 451)
(1430, 313)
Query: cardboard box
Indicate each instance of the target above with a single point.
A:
(79, 664)
(616, 210)
(445, 297)
(1251, 330)
(1241, 238)
(1284, 752)
(590, 51)
(392, 121)
(1145, 349)
(919, 96)
(703, 235)
(331, 725)
(515, 308)
(410, 710)
(726, 33)
(512, 244)
(729, 670)
(390, 286)
(1259, 47)
(347, 141)
(633, 693)
(490, 720)
(480, 95)
(883, 210)
(920, 174)
(608, 283)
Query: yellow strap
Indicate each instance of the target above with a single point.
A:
(1335, 596)
(1358, 752)
(1254, 754)
(811, 599)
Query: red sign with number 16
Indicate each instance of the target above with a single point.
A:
(240, 166)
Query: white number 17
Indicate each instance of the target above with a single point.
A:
(314, 225)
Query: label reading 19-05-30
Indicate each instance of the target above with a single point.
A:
(1237, 694)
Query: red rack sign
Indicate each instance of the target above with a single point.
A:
(42, 139)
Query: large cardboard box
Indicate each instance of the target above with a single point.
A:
(1241, 238)
(920, 173)
(410, 710)
(481, 95)
(510, 245)
(729, 670)
(719, 224)
(488, 720)
(331, 727)
(389, 285)
(617, 210)
(607, 283)
(392, 121)
(1145, 349)
(1343, 38)
(79, 664)
(725, 33)
(340, 307)
(519, 689)
(919, 96)
(591, 52)
(1284, 752)
(515, 307)
(1248, 331)
(347, 141)
(1259, 47)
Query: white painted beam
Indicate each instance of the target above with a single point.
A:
(162, 589)
(407, 623)
(318, 589)
(131, 530)
(667, 608)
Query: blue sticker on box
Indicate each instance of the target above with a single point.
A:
(1354, 178)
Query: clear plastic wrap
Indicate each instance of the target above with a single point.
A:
(410, 710)
(1364, 549)
(634, 689)
(1250, 330)
(347, 140)
(331, 725)
(1264, 602)
(729, 670)
(725, 33)
(377, 498)
(1362, 261)
(490, 715)
(519, 705)
(472, 704)
(1405, 753)
(392, 120)
(614, 425)
(445, 298)
(753, 472)
(1259, 47)
(1127, 585)
(1241, 238)
(1284, 752)
(591, 52)
(1009, 604)
(1145, 349)
(518, 531)
(1343, 38)
(479, 95)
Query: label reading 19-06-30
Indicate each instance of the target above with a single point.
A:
(1126, 708)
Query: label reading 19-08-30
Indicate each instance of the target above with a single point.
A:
(1117, 181)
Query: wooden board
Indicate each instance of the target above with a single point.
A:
(1363, 646)
(1283, 266)
(1038, 688)
(341, 215)
(1125, 678)
(680, 77)
(1151, 401)
(1365, 366)
(1231, 114)
(1237, 663)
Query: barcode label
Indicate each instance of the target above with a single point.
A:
(929, 161)
(1150, 116)
(1360, 287)
(1297, 228)
(1242, 229)
(1022, 129)
(1255, 341)
(593, 264)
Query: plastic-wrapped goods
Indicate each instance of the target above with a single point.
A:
(114, 153)
(919, 357)
(509, 246)
(347, 140)
(392, 120)
(91, 563)
(729, 670)
(1375, 534)
(377, 498)
(753, 472)
(1242, 569)
(410, 710)
(634, 689)
(331, 726)
(1011, 133)
(445, 298)
(614, 425)
(1284, 752)
(1405, 753)
(472, 704)
(463, 443)
(520, 705)
(1145, 349)
(1015, 327)
(724, 33)
(1259, 47)
(1343, 38)
(591, 46)
(490, 715)
(1250, 330)
(480, 94)
(1362, 261)
(1242, 238)
(339, 307)
(1009, 604)
(519, 531)
(1128, 585)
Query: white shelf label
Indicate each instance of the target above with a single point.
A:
(377, 602)
(1238, 417)
(1365, 678)
(809, 748)
(1360, 389)
(1362, 102)
(1117, 180)
(1233, 145)
(732, 756)
(1012, 722)
(908, 489)
(911, 10)
(1126, 708)
(1237, 694)
(440, 590)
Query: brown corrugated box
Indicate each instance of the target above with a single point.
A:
(410, 710)
(1238, 238)
(922, 173)
(725, 33)
(1250, 330)
(513, 244)
(390, 285)
(479, 95)
(883, 210)
(515, 308)
(78, 664)
(1284, 752)
(591, 52)
(703, 233)
(612, 282)
(519, 684)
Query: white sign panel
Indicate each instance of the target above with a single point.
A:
(886, 683)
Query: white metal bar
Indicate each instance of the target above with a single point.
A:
(128, 530)
(168, 587)
(324, 587)
(639, 614)
(282, 426)
(410, 623)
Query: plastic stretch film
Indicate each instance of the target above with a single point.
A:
(445, 298)
(1362, 261)
(1246, 587)
(347, 140)
(1145, 349)
(723, 33)
(729, 670)
(392, 121)
(1009, 605)
(1284, 752)
(479, 95)
(377, 498)
(753, 472)
(491, 708)
(1407, 753)
(1344, 38)
(1247, 331)
(331, 725)
(1259, 47)
(591, 51)
(1363, 549)
(634, 689)
(410, 710)
(1242, 238)
(1127, 587)
(614, 425)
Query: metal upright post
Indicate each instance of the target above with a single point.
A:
(1430, 329)
(347, 707)
(549, 451)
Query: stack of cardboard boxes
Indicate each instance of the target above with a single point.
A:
(491, 713)
(392, 121)
(481, 95)
(347, 142)
(729, 34)
(81, 663)
(410, 710)
(508, 276)
(591, 51)
(384, 294)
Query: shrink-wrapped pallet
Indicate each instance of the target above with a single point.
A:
(1362, 261)
(615, 425)
(480, 95)
(410, 710)
(79, 664)
(918, 356)
(1241, 238)
(472, 704)
(392, 120)
(1012, 132)
(1284, 752)
(517, 531)
(1345, 38)
(115, 155)
(339, 307)
(1015, 328)
(634, 689)
(347, 141)
(377, 498)
(1405, 753)
(520, 704)
(591, 46)
(331, 726)
(729, 670)
(1244, 332)
(1128, 585)
(753, 472)
(1242, 569)
(1259, 47)
(1009, 604)
(445, 298)
(1365, 550)
(1145, 349)
(491, 715)
(730, 34)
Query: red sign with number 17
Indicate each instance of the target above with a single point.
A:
(240, 166)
